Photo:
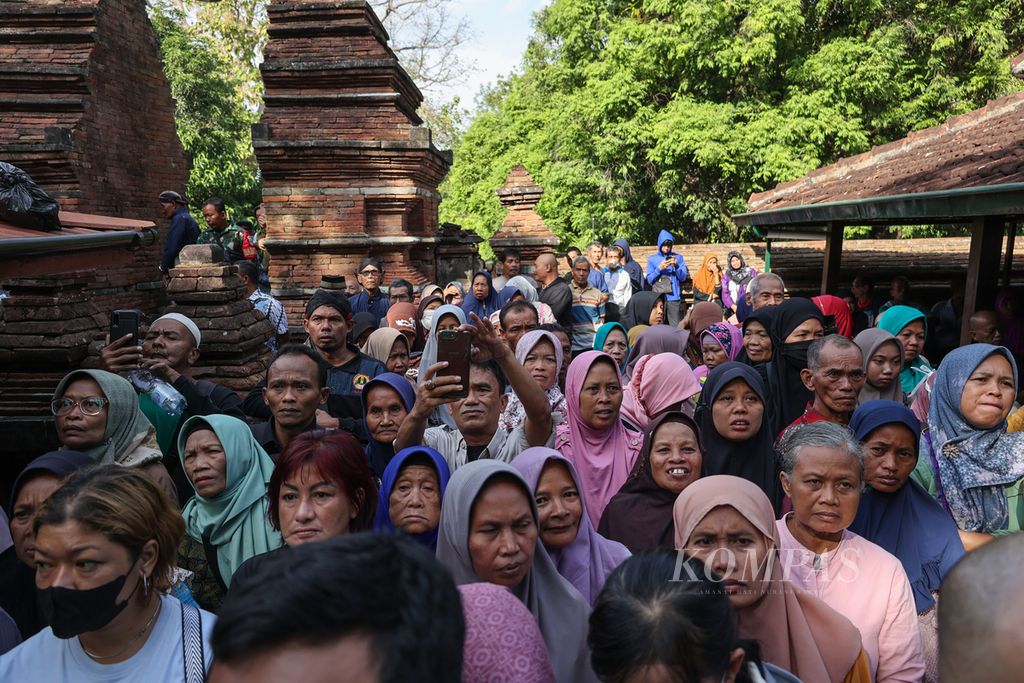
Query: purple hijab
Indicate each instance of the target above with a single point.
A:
(588, 561)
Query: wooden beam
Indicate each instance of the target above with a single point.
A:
(833, 258)
(982, 268)
(1011, 234)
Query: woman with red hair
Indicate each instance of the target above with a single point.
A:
(321, 487)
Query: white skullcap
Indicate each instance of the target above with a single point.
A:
(184, 320)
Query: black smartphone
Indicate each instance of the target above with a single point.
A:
(453, 346)
(124, 322)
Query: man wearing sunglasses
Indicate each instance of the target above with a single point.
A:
(371, 299)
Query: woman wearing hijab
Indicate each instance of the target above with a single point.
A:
(454, 293)
(900, 516)
(968, 460)
(362, 325)
(883, 360)
(506, 295)
(796, 631)
(735, 280)
(410, 495)
(736, 430)
(699, 318)
(387, 400)
(644, 308)
(719, 343)
(910, 327)
(544, 314)
(33, 485)
(593, 438)
(651, 342)
(226, 521)
(447, 317)
(390, 347)
(640, 515)
(757, 340)
(660, 383)
(482, 299)
(97, 413)
(582, 556)
(425, 315)
(613, 339)
(796, 323)
(403, 317)
(489, 532)
(707, 281)
(540, 353)
(633, 334)
(503, 642)
(839, 311)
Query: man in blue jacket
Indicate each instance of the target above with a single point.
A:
(666, 272)
(636, 272)
(183, 231)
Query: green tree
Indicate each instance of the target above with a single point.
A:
(638, 115)
(212, 116)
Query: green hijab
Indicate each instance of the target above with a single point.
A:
(602, 335)
(128, 432)
(893, 321)
(235, 522)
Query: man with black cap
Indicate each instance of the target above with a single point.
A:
(371, 299)
(326, 321)
(183, 231)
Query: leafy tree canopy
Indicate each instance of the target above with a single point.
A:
(638, 115)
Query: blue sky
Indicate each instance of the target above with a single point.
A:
(501, 30)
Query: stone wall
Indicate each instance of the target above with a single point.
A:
(86, 111)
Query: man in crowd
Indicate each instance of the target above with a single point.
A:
(183, 231)
(635, 270)
(984, 328)
(835, 373)
(400, 292)
(945, 320)
(571, 254)
(170, 349)
(595, 256)
(587, 307)
(221, 232)
(351, 285)
(270, 307)
(476, 434)
(516, 319)
(554, 291)
(326, 321)
(510, 264)
(296, 387)
(766, 289)
(899, 294)
(666, 273)
(617, 281)
(979, 615)
(371, 299)
(372, 608)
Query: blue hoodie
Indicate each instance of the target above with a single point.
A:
(636, 273)
(678, 274)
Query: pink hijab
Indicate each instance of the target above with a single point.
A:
(503, 641)
(659, 382)
(603, 458)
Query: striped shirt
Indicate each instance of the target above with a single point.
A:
(587, 316)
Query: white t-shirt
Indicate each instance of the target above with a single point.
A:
(45, 657)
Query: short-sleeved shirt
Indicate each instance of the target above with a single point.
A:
(587, 316)
(504, 446)
(272, 309)
(45, 657)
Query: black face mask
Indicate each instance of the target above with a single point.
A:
(795, 353)
(72, 612)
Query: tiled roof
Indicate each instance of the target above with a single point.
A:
(981, 148)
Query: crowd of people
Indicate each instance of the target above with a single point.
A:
(615, 487)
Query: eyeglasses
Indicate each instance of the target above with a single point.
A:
(90, 405)
(370, 272)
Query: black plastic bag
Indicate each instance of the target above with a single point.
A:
(25, 204)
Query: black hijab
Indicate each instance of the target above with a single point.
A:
(754, 459)
(18, 580)
(763, 315)
(638, 310)
(788, 395)
(639, 516)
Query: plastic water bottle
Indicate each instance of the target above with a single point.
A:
(165, 396)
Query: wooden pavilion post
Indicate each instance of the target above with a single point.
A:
(833, 257)
(982, 268)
